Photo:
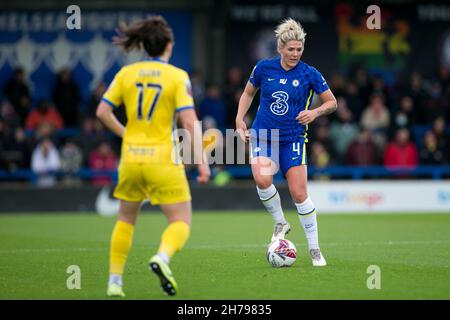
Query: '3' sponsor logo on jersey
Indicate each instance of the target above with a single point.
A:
(280, 106)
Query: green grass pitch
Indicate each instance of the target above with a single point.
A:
(225, 257)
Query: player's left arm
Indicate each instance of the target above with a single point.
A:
(107, 117)
(328, 106)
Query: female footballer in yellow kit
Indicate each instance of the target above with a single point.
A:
(154, 93)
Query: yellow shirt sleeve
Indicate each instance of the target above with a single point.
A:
(113, 95)
(183, 96)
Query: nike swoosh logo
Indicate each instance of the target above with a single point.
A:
(105, 205)
(270, 79)
(295, 158)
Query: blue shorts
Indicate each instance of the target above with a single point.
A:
(285, 154)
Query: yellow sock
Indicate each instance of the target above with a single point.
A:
(174, 238)
(121, 240)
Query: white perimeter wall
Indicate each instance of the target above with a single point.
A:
(381, 196)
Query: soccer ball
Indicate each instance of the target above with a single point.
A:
(281, 253)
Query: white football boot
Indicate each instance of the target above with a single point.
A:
(317, 258)
(280, 230)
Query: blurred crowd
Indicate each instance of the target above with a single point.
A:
(403, 125)
(57, 134)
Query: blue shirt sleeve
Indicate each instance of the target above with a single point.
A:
(317, 81)
(256, 75)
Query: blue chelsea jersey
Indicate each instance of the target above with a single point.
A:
(284, 94)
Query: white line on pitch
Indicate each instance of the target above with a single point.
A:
(236, 246)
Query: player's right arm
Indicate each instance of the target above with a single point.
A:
(189, 121)
(254, 82)
(244, 104)
(184, 106)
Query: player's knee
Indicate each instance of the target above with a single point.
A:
(299, 196)
(263, 182)
(128, 218)
(186, 218)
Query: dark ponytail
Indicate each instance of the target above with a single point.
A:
(151, 34)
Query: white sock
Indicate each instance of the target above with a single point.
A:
(308, 219)
(164, 257)
(115, 278)
(271, 200)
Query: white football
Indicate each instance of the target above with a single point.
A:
(281, 253)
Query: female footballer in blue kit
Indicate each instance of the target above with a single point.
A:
(287, 86)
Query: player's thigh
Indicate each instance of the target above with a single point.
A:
(263, 158)
(297, 178)
(166, 184)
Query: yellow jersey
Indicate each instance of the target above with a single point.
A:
(152, 92)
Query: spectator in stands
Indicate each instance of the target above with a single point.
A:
(214, 106)
(102, 158)
(95, 98)
(44, 113)
(234, 84)
(437, 105)
(354, 100)
(235, 81)
(198, 86)
(320, 158)
(401, 152)
(442, 137)
(71, 162)
(343, 130)
(16, 150)
(232, 105)
(431, 153)
(17, 92)
(89, 138)
(3, 140)
(338, 83)
(322, 135)
(45, 130)
(67, 97)
(376, 118)
(415, 90)
(378, 88)
(45, 163)
(9, 115)
(362, 81)
(404, 116)
(3, 131)
(444, 79)
(362, 151)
